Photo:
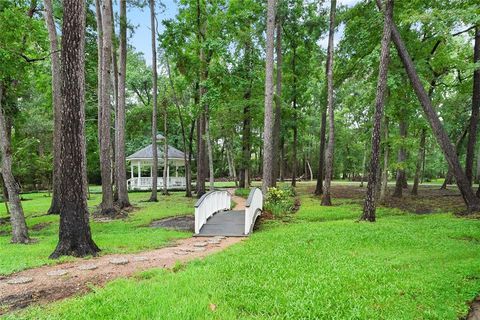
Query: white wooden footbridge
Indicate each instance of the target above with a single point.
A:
(214, 217)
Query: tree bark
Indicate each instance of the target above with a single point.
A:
(402, 157)
(277, 124)
(153, 195)
(106, 206)
(418, 167)
(120, 162)
(369, 206)
(268, 116)
(321, 161)
(57, 104)
(246, 145)
(166, 166)
(210, 152)
(384, 185)
(326, 199)
(470, 199)
(74, 235)
(17, 217)
(472, 133)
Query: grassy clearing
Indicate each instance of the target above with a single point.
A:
(118, 236)
(321, 264)
(242, 192)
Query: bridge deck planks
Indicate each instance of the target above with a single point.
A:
(226, 223)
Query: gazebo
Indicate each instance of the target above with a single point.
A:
(142, 161)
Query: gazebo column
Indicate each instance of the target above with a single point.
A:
(139, 163)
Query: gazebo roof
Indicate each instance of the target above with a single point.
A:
(147, 153)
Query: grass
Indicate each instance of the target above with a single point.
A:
(242, 192)
(119, 236)
(319, 265)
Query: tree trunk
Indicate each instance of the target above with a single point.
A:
(106, 206)
(277, 124)
(295, 128)
(321, 161)
(56, 85)
(153, 195)
(420, 157)
(282, 159)
(74, 235)
(402, 156)
(471, 201)
(186, 154)
(472, 133)
(268, 116)
(384, 187)
(246, 145)
(120, 162)
(326, 199)
(17, 218)
(210, 153)
(190, 151)
(369, 206)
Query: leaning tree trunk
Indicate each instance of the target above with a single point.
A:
(384, 185)
(326, 199)
(321, 161)
(402, 157)
(57, 104)
(74, 236)
(268, 116)
(106, 206)
(418, 167)
(277, 124)
(17, 218)
(153, 196)
(469, 197)
(472, 133)
(369, 206)
(121, 170)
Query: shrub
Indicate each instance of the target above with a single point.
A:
(280, 201)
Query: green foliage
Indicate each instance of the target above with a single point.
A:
(242, 192)
(280, 201)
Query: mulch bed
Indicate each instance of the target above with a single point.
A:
(182, 223)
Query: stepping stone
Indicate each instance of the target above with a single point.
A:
(90, 266)
(119, 261)
(199, 249)
(57, 273)
(220, 237)
(139, 259)
(200, 244)
(20, 280)
(181, 252)
(213, 241)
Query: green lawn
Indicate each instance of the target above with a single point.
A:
(319, 264)
(118, 236)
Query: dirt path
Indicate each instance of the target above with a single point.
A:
(240, 202)
(51, 283)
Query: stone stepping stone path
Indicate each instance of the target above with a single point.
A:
(181, 252)
(57, 273)
(140, 259)
(119, 261)
(200, 244)
(199, 249)
(213, 241)
(20, 280)
(90, 266)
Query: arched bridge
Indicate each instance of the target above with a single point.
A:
(214, 217)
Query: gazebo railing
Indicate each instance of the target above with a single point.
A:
(146, 182)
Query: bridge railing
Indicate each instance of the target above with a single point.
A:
(253, 208)
(209, 204)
